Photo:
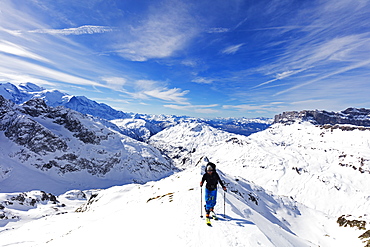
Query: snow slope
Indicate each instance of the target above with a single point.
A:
(166, 213)
(289, 185)
(310, 163)
(325, 168)
(139, 129)
(290, 161)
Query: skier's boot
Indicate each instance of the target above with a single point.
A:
(207, 213)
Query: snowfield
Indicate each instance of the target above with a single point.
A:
(72, 179)
(324, 168)
(168, 212)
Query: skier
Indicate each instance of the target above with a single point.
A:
(212, 178)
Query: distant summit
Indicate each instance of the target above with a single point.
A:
(353, 116)
(26, 91)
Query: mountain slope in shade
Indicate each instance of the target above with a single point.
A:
(58, 149)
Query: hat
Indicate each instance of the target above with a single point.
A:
(209, 168)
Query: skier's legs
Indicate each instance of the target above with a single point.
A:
(213, 198)
(210, 198)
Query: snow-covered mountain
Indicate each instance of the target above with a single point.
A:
(138, 129)
(289, 185)
(241, 126)
(353, 116)
(326, 168)
(303, 181)
(59, 149)
(137, 126)
(332, 160)
(24, 92)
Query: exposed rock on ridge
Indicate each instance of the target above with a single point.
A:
(353, 116)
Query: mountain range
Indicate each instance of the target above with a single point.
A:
(135, 125)
(71, 178)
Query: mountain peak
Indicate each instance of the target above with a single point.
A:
(30, 87)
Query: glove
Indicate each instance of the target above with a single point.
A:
(201, 184)
(224, 188)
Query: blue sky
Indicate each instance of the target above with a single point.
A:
(216, 58)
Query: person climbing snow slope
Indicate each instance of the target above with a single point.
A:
(211, 178)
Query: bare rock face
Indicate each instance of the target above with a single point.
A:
(353, 116)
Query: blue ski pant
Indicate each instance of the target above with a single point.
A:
(210, 197)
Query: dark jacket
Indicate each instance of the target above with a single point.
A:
(212, 180)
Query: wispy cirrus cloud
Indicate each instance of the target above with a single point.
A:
(171, 95)
(250, 107)
(218, 30)
(150, 89)
(86, 29)
(203, 80)
(329, 42)
(115, 83)
(232, 49)
(32, 70)
(204, 109)
(327, 75)
(281, 76)
(18, 50)
(166, 29)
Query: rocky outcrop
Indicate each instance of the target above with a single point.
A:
(25, 201)
(66, 141)
(353, 116)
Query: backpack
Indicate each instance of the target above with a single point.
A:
(210, 164)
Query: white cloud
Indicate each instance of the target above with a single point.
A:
(281, 76)
(206, 109)
(12, 32)
(327, 75)
(165, 30)
(87, 29)
(146, 90)
(232, 49)
(115, 83)
(306, 102)
(202, 80)
(330, 41)
(14, 49)
(257, 107)
(189, 63)
(218, 30)
(8, 65)
(285, 74)
(173, 95)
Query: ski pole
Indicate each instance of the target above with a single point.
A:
(201, 202)
(224, 203)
